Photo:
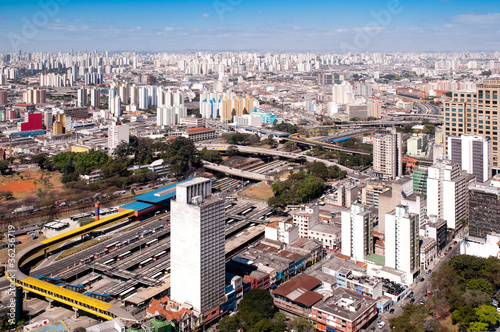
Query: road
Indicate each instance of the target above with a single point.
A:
(283, 154)
(419, 288)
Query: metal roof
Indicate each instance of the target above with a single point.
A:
(159, 195)
(136, 206)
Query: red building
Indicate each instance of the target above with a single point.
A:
(35, 121)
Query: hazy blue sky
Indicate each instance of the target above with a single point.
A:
(348, 25)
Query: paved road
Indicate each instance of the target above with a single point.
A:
(249, 149)
(419, 288)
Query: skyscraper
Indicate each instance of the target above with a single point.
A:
(484, 207)
(447, 192)
(95, 97)
(472, 153)
(197, 246)
(357, 232)
(117, 133)
(82, 97)
(388, 154)
(475, 113)
(402, 246)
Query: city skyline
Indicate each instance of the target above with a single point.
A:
(361, 26)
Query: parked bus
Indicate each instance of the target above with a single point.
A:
(159, 255)
(111, 246)
(125, 254)
(86, 260)
(150, 243)
(100, 254)
(109, 261)
(145, 262)
(134, 239)
(120, 245)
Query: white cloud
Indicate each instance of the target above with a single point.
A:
(205, 15)
(169, 29)
(482, 19)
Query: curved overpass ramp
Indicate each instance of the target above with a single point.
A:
(19, 274)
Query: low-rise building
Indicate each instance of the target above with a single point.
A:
(200, 134)
(328, 235)
(428, 252)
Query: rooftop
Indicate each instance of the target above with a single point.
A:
(299, 290)
(345, 304)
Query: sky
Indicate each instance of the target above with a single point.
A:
(235, 25)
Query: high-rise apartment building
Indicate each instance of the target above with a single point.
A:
(388, 154)
(117, 133)
(95, 97)
(357, 232)
(197, 246)
(476, 113)
(420, 174)
(82, 97)
(472, 153)
(402, 246)
(3, 97)
(447, 192)
(484, 207)
(34, 96)
(342, 93)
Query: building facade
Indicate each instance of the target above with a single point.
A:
(472, 153)
(197, 246)
(447, 192)
(475, 112)
(402, 247)
(484, 208)
(388, 154)
(357, 232)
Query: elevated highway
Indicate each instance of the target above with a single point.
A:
(283, 154)
(18, 272)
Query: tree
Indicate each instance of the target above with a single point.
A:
(487, 314)
(4, 167)
(478, 327)
(40, 159)
(232, 150)
(229, 324)
(211, 156)
(302, 325)
(256, 305)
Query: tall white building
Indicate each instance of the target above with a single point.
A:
(117, 133)
(197, 246)
(473, 154)
(342, 93)
(95, 97)
(388, 154)
(82, 97)
(447, 192)
(170, 115)
(357, 232)
(402, 246)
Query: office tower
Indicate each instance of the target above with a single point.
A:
(388, 154)
(484, 207)
(447, 192)
(197, 246)
(123, 92)
(472, 153)
(3, 97)
(95, 97)
(357, 232)
(419, 175)
(342, 93)
(402, 246)
(475, 112)
(117, 133)
(3, 79)
(82, 97)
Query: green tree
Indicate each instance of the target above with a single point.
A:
(478, 327)
(487, 314)
(256, 305)
(480, 285)
(301, 324)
